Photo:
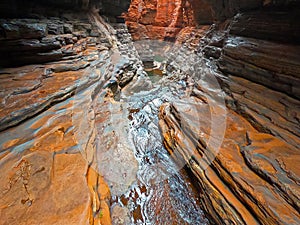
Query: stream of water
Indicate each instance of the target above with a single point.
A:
(147, 187)
(163, 193)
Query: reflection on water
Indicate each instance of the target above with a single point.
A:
(154, 75)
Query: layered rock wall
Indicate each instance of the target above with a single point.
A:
(253, 177)
(55, 65)
(263, 55)
(269, 59)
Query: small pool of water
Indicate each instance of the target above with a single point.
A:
(154, 75)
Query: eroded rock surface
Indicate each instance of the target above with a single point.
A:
(247, 173)
(244, 173)
(47, 160)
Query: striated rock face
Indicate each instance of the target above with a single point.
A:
(271, 99)
(48, 162)
(44, 176)
(247, 173)
(42, 86)
(276, 65)
(248, 182)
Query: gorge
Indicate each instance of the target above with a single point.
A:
(150, 112)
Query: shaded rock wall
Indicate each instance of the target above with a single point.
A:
(263, 47)
(228, 8)
(114, 8)
(36, 32)
(28, 41)
(221, 10)
(25, 8)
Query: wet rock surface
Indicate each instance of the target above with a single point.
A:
(159, 195)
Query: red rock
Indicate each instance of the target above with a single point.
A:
(163, 18)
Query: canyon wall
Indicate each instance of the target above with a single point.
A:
(252, 177)
(51, 52)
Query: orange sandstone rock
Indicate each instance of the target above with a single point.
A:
(158, 19)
